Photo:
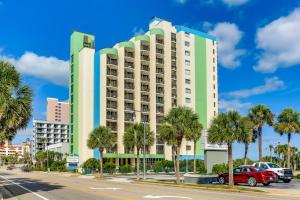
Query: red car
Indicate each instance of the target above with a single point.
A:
(250, 175)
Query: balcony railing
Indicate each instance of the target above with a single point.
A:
(129, 54)
(145, 68)
(145, 58)
(130, 76)
(112, 62)
(112, 72)
(145, 78)
(159, 41)
(145, 48)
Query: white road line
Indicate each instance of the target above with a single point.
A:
(95, 188)
(24, 188)
(160, 197)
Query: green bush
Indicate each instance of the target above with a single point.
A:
(58, 165)
(109, 167)
(91, 164)
(163, 166)
(124, 169)
(298, 176)
(39, 168)
(219, 169)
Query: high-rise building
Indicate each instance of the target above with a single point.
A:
(141, 80)
(57, 111)
(53, 132)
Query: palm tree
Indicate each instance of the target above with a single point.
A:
(176, 126)
(288, 123)
(194, 135)
(101, 138)
(271, 148)
(294, 152)
(134, 138)
(247, 126)
(261, 115)
(15, 102)
(228, 128)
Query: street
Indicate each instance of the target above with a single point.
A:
(39, 185)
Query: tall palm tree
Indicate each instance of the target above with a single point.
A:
(101, 138)
(271, 148)
(15, 102)
(288, 124)
(176, 126)
(261, 115)
(134, 138)
(194, 135)
(247, 139)
(228, 128)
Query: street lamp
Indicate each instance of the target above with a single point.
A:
(144, 145)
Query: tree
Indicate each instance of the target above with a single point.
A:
(261, 115)
(271, 148)
(194, 135)
(288, 124)
(176, 125)
(134, 138)
(15, 102)
(281, 150)
(228, 128)
(247, 126)
(101, 138)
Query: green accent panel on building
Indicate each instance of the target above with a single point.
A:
(129, 155)
(78, 41)
(112, 51)
(157, 31)
(126, 44)
(142, 38)
(200, 85)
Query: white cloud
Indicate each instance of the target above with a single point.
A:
(228, 36)
(235, 2)
(49, 68)
(279, 42)
(271, 84)
(234, 105)
(137, 31)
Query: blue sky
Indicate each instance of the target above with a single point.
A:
(259, 46)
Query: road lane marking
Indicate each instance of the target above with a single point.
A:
(24, 188)
(161, 197)
(96, 188)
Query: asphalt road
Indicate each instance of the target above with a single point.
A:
(36, 186)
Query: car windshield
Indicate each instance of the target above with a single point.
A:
(259, 169)
(272, 165)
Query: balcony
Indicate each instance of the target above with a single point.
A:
(159, 52)
(129, 107)
(129, 97)
(112, 74)
(159, 61)
(159, 81)
(145, 78)
(129, 76)
(145, 48)
(145, 99)
(112, 84)
(145, 58)
(129, 56)
(145, 89)
(128, 86)
(145, 68)
(160, 91)
(159, 41)
(111, 94)
(112, 61)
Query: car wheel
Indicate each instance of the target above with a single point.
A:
(252, 181)
(222, 180)
(266, 184)
(286, 180)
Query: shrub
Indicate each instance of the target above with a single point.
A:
(125, 169)
(91, 164)
(298, 176)
(58, 165)
(109, 167)
(39, 168)
(158, 167)
(219, 169)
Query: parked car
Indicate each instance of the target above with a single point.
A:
(250, 175)
(284, 174)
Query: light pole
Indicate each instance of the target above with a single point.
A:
(144, 146)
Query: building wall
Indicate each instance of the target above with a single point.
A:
(57, 111)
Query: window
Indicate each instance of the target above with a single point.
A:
(213, 51)
(188, 90)
(214, 60)
(187, 53)
(187, 72)
(213, 42)
(187, 81)
(187, 34)
(214, 86)
(214, 77)
(214, 104)
(214, 95)
(186, 43)
(214, 68)
(187, 100)
(187, 62)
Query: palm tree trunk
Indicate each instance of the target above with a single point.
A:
(101, 163)
(260, 142)
(271, 155)
(289, 151)
(195, 157)
(230, 166)
(177, 165)
(138, 164)
(246, 153)
(174, 156)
